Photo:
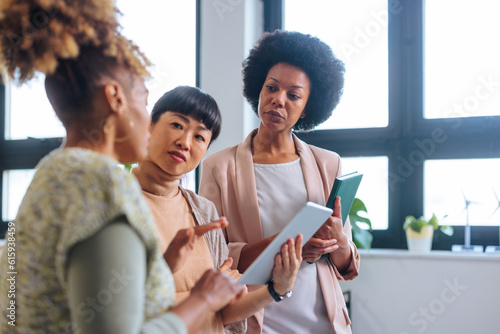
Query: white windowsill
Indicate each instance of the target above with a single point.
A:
(433, 255)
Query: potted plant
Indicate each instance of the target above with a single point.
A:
(362, 238)
(419, 232)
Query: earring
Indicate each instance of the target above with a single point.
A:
(122, 139)
(106, 130)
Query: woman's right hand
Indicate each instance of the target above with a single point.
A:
(217, 289)
(287, 264)
(328, 238)
(182, 245)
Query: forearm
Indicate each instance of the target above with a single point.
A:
(247, 305)
(251, 251)
(286, 267)
(342, 257)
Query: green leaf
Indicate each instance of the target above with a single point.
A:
(408, 221)
(362, 238)
(448, 230)
(434, 221)
(354, 217)
(128, 167)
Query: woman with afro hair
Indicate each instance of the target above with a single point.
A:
(88, 255)
(293, 81)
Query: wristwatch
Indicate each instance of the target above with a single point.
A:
(275, 295)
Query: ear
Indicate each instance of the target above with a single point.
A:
(115, 96)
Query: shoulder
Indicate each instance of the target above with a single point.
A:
(201, 206)
(221, 157)
(81, 167)
(321, 153)
(93, 186)
(197, 200)
(327, 161)
(229, 155)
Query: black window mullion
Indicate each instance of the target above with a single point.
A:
(19, 154)
(273, 15)
(400, 177)
(2, 157)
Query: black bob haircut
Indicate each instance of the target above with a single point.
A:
(310, 54)
(190, 101)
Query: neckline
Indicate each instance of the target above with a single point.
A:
(152, 180)
(282, 164)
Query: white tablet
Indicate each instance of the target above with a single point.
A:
(307, 221)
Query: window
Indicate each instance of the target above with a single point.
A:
(437, 134)
(373, 190)
(29, 102)
(465, 48)
(448, 193)
(360, 41)
(165, 31)
(15, 183)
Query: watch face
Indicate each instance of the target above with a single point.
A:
(274, 294)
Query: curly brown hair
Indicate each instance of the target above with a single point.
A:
(306, 52)
(72, 42)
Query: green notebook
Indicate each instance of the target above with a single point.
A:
(346, 187)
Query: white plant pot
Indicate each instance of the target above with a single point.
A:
(420, 242)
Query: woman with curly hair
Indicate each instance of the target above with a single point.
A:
(88, 258)
(293, 82)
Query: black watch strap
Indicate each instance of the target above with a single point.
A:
(275, 295)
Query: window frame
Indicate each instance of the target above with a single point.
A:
(19, 154)
(473, 137)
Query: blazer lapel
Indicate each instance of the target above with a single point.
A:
(312, 175)
(247, 191)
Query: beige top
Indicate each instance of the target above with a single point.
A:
(184, 210)
(171, 215)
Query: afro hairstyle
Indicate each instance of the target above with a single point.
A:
(313, 56)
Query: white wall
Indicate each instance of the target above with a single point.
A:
(229, 28)
(437, 293)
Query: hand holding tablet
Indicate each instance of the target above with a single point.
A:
(306, 222)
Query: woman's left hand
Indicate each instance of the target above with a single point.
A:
(233, 273)
(332, 228)
(287, 264)
(226, 268)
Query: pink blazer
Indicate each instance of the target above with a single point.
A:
(228, 180)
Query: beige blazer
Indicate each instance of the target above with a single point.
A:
(228, 180)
